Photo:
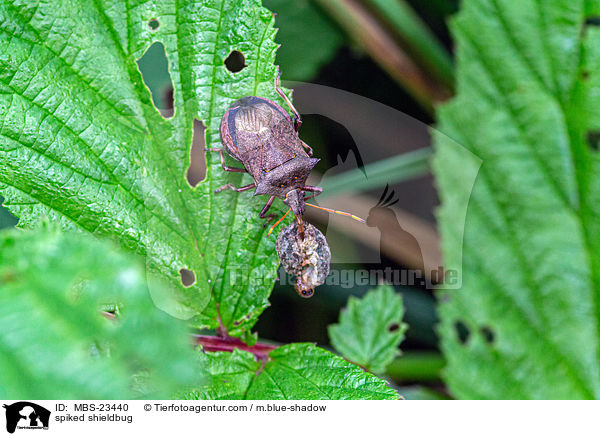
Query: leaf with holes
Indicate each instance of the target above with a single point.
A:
(81, 142)
(370, 329)
(528, 101)
(55, 343)
(292, 372)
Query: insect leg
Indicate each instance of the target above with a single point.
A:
(225, 167)
(263, 212)
(316, 189)
(233, 188)
(297, 120)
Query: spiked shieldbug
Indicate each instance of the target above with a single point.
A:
(261, 135)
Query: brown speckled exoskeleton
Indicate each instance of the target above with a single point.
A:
(261, 135)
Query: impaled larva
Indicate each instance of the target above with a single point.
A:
(305, 257)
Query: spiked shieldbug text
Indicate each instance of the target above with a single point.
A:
(261, 135)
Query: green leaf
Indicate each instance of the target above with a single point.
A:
(55, 343)
(229, 376)
(81, 142)
(292, 372)
(308, 37)
(526, 322)
(370, 329)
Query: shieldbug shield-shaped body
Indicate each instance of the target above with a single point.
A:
(261, 135)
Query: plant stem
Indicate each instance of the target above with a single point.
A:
(386, 171)
(376, 40)
(413, 31)
(213, 343)
(421, 393)
(416, 366)
(222, 343)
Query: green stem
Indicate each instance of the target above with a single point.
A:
(416, 366)
(421, 393)
(387, 171)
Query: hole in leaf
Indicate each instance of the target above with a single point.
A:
(188, 278)
(196, 172)
(168, 98)
(154, 67)
(153, 24)
(462, 332)
(393, 327)
(235, 62)
(593, 139)
(6, 218)
(488, 334)
(592, 21)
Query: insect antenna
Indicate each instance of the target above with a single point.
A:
(277, 223)
(339, 212)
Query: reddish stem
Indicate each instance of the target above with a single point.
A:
(223, 343)
(214, 343)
